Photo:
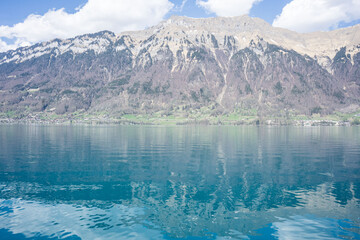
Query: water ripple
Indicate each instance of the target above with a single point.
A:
(79, 182)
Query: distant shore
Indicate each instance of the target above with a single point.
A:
(183, 118)
(159, 122)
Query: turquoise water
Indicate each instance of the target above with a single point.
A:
(130, 182)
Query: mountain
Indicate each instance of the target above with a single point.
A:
(222, 64)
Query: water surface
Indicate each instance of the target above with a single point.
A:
(131, 182)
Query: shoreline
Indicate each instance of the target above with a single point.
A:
(176, 119)
(190, 122)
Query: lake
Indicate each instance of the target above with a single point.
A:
(179, 182)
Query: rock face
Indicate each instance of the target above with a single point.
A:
(224, 64)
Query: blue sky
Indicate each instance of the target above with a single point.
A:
(25, 22)
(15, 11)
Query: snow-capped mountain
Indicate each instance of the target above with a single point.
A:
(220, 63)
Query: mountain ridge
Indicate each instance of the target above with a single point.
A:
(222, 64)
(257, 24)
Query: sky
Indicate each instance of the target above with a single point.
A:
(26, 22)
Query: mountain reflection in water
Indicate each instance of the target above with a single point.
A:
(124, 182)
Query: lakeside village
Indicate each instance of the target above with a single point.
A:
(193, 119)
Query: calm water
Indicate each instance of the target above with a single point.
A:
(81, 182)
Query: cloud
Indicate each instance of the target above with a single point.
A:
(179, 8)
(227, 8)
(95, 15)
(311, 15)
(183, 4)
(4, 46)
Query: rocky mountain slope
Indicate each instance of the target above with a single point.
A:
(223, 64)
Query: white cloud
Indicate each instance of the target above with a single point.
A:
(95, 15)
(315, 15)
(228, 8)
(183, 4)
(180, 7)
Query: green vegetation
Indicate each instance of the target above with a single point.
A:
(315, 110)
(339, 95)
(296, 91)
(197, 53)
(10, 114)
(278, 88)
(355, 121)
(134, 89)
(120, 81)
(185, 115)
(301, 78)
(194, 96)
(146, 87)
(248, 89)
(68, 92)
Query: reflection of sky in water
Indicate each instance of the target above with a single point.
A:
(152, 218)
(312, 228)
(179, 182)
(64, 220)
(116, 221)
